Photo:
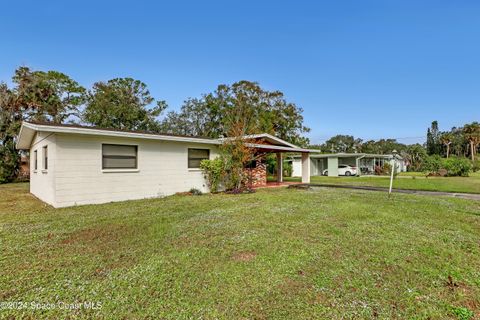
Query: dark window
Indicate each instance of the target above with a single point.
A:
(45, 157)
(195, 156)
(35, 159)
(116, 156)
(251, 164)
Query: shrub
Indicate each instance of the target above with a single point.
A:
(432, 164)
(462, 313)
(9, 162)
(476, 165)
(287, 168)
(383, 170)
(452, 167)
(195, 192)
(213, 171)
(457, 166)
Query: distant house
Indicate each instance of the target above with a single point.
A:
(24, 169)
(73, 165)
(367, 163)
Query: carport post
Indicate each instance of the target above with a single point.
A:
(279, 167)
(305, 167)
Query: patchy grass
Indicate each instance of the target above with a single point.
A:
(407, 181)
(277, 253)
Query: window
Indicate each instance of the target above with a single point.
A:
(115, 156)
(195, 156)
(35, 160)
(45, 158)
(251, 164)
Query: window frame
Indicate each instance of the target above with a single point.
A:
(196, 158)
(35, 160)
(124, 157)
(45, 157)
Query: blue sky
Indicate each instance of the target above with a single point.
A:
(368, 68)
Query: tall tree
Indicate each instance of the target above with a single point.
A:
(433, 139)
(48, 95)
(271, 113)
(415, 154)
(10, 120)
(123, 103)
(342, 143)
(472, 134)
(446, 139)
(36, 95)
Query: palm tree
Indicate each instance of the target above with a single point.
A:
(446, 139)
(472, 133)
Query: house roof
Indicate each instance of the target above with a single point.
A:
(29, 129)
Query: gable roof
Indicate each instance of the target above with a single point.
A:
(28, 130)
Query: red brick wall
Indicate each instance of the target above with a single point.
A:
(257, 177)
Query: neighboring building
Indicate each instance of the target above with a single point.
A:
(367, 163)
(73, 165)
(24, 169)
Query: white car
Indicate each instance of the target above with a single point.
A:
(344, 170)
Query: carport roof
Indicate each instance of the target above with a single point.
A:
(353, 155)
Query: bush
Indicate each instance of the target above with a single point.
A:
(462, 313)
(213, 171)
(457, 166)
(287, 169)
(383, 170)
(195, 192)
(476, 165)
(432, 164)
(452, 167)
(9, 162)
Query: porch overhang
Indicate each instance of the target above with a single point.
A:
(274, 148)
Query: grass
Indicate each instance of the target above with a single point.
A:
(277, 253)
(411, 181)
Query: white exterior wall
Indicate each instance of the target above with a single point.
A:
(296, 167)
(78, 177)
(42, 182)
(333, 166)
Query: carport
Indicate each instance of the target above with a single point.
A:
(365, 163)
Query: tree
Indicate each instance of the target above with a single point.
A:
(459, 142)
(415, 154)
(343, 143)
(446, 139)
(123, 103)
(472, 134)
(66, 98)
(9, 123)
(38, 96)
(270, 113)
(433, 139)
(48, 96)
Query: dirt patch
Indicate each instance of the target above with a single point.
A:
(244, 256)
(106, 233)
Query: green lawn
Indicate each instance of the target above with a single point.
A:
(408, 181)
(275, 254)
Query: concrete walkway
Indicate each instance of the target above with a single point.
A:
(470, 196)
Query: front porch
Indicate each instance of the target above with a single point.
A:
(256, 169)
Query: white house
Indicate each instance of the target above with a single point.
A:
(75, 165)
